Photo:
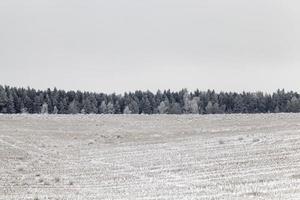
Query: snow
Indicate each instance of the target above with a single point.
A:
(150, 156)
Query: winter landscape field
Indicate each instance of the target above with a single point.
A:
(87, 157)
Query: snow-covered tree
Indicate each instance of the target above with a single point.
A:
(162, 108)
(190, 105)
(293, 105)
(110, 108)
(127, 110)
(44, 109)
(277, 110)
(3, 99)
(209, 108)
(146, 106)
(55, 110)
(73, 108)
(194, 105)
(24, 110)
(28, 100)
(175, 109)
(134, 107)
(10, 104)
(186, 101)
(90, 104)
(103, 108)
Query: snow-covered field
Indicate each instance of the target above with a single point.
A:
(97, 157)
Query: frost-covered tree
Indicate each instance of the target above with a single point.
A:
(190, 104)
(186, 101)
(134, 107)
(10, 104)
(117, 108)
(221, 109)
(216, 108)
(55, 110)
(44, 109)
(110, 108)
(90, 104)
(3, 100)
(28, 103)
(293, 105)
(73, 108)
(175, 109)
(38, 103)
(194, 105)
(146, 106)
(163, 108)
(209, 108)
(103, 108)
(238, 104)
(277, 110)
(18, 100)
(24, 110)
(127, 110)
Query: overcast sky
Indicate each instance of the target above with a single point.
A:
(123, 45)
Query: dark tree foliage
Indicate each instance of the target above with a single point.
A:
(28, 100)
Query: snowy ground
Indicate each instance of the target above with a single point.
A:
(88, 157)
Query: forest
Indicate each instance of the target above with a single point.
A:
(54, 101)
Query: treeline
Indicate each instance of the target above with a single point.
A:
(28, 100)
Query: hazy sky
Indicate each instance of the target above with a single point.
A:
(122, 45)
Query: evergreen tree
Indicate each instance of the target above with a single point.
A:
(44, 109)
(216, 108)
(55, 110)
(277, 110)
(127, 110)
(146, 108)
(175, 109)
(10, 104)
(3, 100)
(209, 108)
(90, 104)
(193, 104)
(73, 107)
(162, 108)
(110, 108)
(28, 104)
(103, 108)
(21, 100)
(186, 101)
(117, 108)
(133, 106)
(37, 103)
(238, 104)
(293, 105)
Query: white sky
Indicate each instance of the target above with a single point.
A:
(116, 45)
